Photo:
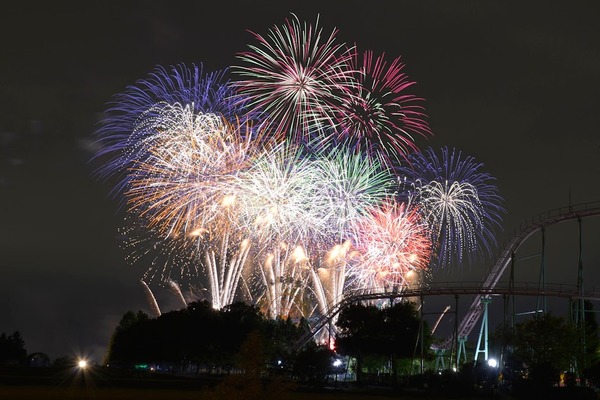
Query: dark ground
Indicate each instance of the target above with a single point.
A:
(102, 383)
(67, 383)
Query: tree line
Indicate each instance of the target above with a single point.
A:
(373, 341)
(201, 339)
(380, 341)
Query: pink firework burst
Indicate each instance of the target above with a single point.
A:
(381, 115)
(293, 77)
(393, 243)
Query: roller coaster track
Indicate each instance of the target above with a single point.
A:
(489, 286)
(511, 246)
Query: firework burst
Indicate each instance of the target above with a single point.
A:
(294, 76)
(181, 84)
(349, 184)
(181, 187)
(163, 259)
(381, 115)
(224, 260)
(283, 277)
(183, 167)
(176, 289)
(392, 243)
(223, 247)
(328, 278)
(277, 197)
(295, 209)
(151, 299)
(460, 203)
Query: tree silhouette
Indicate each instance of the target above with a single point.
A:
(547, 345)
(314, 363)
(251, 384)
(12, 349)
(368, 331)
(199, 337)
(359, 334)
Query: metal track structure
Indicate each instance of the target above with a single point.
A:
(508, 253)
(479, 290)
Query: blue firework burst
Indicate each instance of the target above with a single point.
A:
(181, 84)
(459, 201)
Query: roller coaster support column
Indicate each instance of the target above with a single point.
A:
(454, 345)
(422, 336)
(580, 304)
(462, 352)
(542, 282)
(511, 285)
(440, 363)
(484, 331)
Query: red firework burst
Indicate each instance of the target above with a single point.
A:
(381, 115)
(393, 243)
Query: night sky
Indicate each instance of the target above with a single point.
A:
(515, 84)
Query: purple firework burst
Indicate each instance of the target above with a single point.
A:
(181, 84)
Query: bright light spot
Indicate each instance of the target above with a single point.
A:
(269, 259)
(198, 232)
(337, 362)
(299, 254)
(334, 253)
(228, 200)
(323, 273)
(493, 363)
(331, 344)
(82, 364)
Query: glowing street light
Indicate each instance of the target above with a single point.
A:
(492, 363)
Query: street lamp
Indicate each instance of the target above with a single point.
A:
(492, 363)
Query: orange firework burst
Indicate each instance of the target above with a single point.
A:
(181, 182)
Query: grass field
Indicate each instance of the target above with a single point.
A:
(105, 384)
(61, 393)
(97, 383)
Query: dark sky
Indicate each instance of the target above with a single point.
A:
(515, 84)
